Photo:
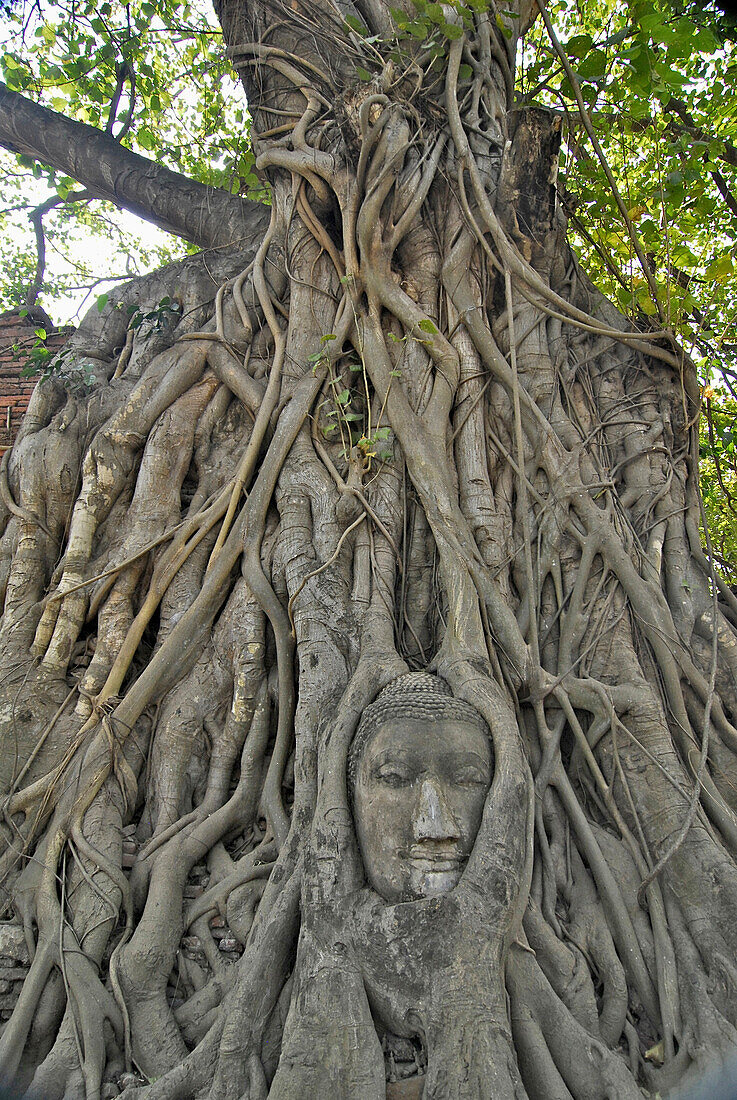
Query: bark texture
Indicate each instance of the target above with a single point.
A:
(403, 432)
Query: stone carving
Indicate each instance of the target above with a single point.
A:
(419, 770)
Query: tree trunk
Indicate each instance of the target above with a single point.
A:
(407, 436)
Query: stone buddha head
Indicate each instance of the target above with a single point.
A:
(419, 769)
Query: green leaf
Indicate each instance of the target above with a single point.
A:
(102, 301)
(579, 45)
(427, 326)
(593, 66)
(506, 31)
(648, 17)
(419, 29)
(720, 268)
(355, 24)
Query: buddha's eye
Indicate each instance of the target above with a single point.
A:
(392, 776)
(471, 777)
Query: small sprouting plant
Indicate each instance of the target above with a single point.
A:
(343, 412)
(39, 361)
(38, 357)
(154, 319)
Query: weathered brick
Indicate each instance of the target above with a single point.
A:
(15, 389)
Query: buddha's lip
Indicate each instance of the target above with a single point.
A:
(437, 861)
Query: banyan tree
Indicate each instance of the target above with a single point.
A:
(385, 461)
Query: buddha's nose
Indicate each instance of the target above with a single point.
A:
(433, 818)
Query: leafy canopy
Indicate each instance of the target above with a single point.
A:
(152, 75)
(659, 82)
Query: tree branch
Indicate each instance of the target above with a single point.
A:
(36, 217)
(688, 123)
(207, 216)
(125, 71)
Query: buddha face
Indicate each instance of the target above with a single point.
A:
(418, 800)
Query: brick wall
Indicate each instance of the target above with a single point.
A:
(15, 390)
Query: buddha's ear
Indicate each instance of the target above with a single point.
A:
(334, 863)
(500, 865)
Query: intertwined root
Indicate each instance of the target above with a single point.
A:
(404, 432)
